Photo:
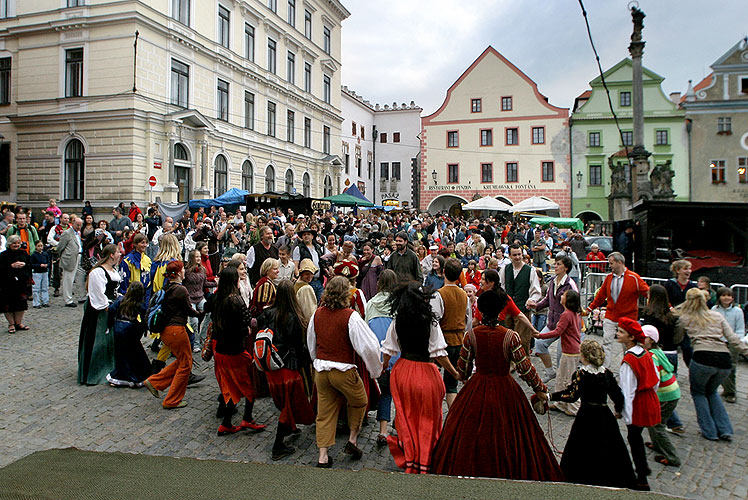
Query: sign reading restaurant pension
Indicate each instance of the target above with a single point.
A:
(485, 187)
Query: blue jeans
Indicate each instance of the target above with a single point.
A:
(538, 321)
(710, 412)
(318, 288)
(384, 408)
(40, 288)
(674, 420)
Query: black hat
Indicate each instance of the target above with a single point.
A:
(307, 230)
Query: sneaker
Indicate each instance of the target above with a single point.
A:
(72, 304)
(45, 305)
(196, 349)
(37, 307)
(181, 404)
(194, 379)
(678, 431)
(56, 293)
(548, 377)
(729, 399)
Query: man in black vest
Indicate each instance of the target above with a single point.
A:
(521, 283)
(259, 252)
(308, 249)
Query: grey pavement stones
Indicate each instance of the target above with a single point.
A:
(43, 407)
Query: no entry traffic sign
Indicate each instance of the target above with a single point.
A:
(152, 181)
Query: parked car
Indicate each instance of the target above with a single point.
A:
(604, 242)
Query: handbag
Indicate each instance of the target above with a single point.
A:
(206, 353)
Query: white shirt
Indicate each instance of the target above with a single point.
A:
(437, 305)
(363, 340)
(628, 384)
(535, 293)
(437, 345)
(97, 287)
(286, 271)
(615, 286)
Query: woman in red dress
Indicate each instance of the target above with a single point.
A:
(415, 383)
(490, 429)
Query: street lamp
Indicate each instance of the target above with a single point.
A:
(433, 175)
(579, 179)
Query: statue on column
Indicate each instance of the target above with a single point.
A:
(662, 180)
(618, 184)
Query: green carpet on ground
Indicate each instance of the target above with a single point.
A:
(82, 475)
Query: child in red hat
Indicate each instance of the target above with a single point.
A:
(639, 382)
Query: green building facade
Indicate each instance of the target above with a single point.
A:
(596, 142)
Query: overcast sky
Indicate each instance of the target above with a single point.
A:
(403, 50)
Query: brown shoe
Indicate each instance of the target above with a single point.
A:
(353, 450)
(181, 404)
(151, 389)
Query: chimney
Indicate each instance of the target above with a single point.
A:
(675, 97)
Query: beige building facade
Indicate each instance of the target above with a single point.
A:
(494, 135)
(201, 96)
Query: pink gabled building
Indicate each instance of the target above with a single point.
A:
(494, 135)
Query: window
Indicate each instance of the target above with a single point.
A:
(395, 136)
(347, 162)
(247, 176)
(453, 139)
(486, 137)
(249, 110)
(506, 103)
(5, 80)
(353, 129)
(222, 109)
(269, 179)
(486, 172)
(383, 137)
(74, 163)
(271, 119)
(180, 10)
(475, 105)
(307, 77)
(724, 125)
(249, 42)
(306, 185)
(308, 24)
(627, 138)
(292, 12)
(326, 39)
(718, 171)
(224, 18)
(180, 83)
(453, 173)
(625, 98)
(538, 135)
(742, 170)
(73, 72)
(368, 167)
(396, 170)
(512, 173)
(273, 5)
(384, 170)
(75, 3)
(326, 89)
(661, 138)
(743, 84)
(326, 140)
(327, 186)
(358, 166)
(271, 55)
(307, 132)
(288, 188)
(596, 175)
(220, 176)
(180, 152)
(5, 167)
(512, 137)
(547, 168)
(593, 139)
(291, 68)
(290, 126)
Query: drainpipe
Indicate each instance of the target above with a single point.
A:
(689, 126)
(571, 171)
(374, 135)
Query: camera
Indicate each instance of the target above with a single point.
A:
(98, 232)
(24, 245)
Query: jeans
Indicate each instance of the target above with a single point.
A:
(40, 289)
(318, 288)
(384, 408)
(728, 386)
(685, 346)
(195, 323)
(710, 412)
(674, 420)
(538, 321)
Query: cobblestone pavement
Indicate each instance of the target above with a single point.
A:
(42, 407)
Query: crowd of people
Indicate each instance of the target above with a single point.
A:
(336, 315)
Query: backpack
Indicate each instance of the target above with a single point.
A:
(266, 356)
(156, 317)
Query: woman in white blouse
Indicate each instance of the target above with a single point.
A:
(96, 345)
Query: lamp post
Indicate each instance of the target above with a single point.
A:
(579, 179)
(433, 176)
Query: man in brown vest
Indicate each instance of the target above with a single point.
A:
(451, 306)
(259, 253)
(336, 333)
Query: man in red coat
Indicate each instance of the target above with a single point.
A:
(620, 293)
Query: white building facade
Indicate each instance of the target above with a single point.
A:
(220, 94)
(380, 145)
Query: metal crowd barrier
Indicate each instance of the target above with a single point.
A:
(740, 292)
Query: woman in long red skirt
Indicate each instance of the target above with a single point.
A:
(415, 383)
(491, 430)
(285, 384)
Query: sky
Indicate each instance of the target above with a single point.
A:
(414, 50)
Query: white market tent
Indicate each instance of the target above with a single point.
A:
(533, 204)
(487, 203)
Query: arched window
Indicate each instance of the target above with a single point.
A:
(180, 152)
(289, 181)
(269, 179)
(247, 176)
(220, 176)
(74, 167)
(328, 186)
(307, 189)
